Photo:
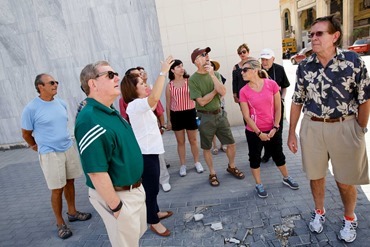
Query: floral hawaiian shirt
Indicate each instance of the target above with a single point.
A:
(334, 91)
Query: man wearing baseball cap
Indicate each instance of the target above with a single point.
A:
(206, 89)
(277, 73)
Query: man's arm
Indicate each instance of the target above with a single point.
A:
(103, 185)
(295, 111)
(206, 98)
(363, 114)
(28, 137)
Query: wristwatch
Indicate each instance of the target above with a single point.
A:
(364, 130)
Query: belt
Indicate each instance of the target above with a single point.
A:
(128, 187)
(328, 120)
(210, 112)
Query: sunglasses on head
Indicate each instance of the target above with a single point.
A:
(52, 82)
(318, 34)
(110, 74)
(245, 69)
(242, 52)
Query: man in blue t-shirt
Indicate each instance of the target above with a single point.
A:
(44, 128)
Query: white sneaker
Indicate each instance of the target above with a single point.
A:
(348, 231)
(183, 171)
(199, 167)
(317, 221)
(166, 187)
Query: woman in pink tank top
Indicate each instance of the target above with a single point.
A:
(181, 115)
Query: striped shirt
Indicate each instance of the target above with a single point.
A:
(180, 97)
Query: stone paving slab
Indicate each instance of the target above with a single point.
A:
(27, 220)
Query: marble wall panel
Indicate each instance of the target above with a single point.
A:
(60, 37)
(6, 15)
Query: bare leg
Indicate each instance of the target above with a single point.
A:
(284, 171)
(192, 137)
(69, 194)
(208, 158)
(348, 193)
(230, 152)
(56, 204)
(180, 137)
(256, 175)
(318, 192)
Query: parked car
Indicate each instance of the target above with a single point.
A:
(361, 46)
(302, 54)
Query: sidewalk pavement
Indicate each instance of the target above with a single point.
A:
(279, 220)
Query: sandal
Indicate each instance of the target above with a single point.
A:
(215, 151)
(213, 180)
(235, 172)
(64, 232)
(79, 216)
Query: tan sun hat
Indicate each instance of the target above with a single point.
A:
(215, 64)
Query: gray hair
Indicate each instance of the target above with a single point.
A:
(38, 81)
(90, 72)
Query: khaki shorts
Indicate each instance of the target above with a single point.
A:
(214, 124)
(60, 166)
(341, 142)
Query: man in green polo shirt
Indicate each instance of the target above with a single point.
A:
(206, 89)
(110, 157)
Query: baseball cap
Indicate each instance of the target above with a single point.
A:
(198, 51)
(267, 53)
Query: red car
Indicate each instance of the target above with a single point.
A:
(361, 46)
(302, 54)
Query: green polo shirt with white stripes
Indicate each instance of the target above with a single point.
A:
(106, 143)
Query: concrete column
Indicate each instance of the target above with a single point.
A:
(298, 30)
(322, 8)
(348, 10)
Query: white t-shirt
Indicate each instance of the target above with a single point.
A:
(145, 126)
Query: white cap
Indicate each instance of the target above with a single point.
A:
(267, 53)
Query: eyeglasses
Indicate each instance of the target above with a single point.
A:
(204, 54)
(111, 74)
(318, 34)
(52, 83)
(245, 69)
(242, 52)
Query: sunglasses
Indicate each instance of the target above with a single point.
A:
(52, 83)
(318, 34)
(242, 52)
(111, 74)
(245, 69)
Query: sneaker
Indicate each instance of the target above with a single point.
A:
(199, 167)
(183, 171)
(290, 183)
(79, 216)
(166, 187)
(317, 221)
(348, 231)
(261, 192)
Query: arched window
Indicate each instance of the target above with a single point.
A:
(286, 21)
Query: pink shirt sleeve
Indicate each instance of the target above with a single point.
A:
(122, 108)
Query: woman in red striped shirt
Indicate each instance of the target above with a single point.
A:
(181, 115)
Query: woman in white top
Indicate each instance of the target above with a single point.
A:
(144, 124)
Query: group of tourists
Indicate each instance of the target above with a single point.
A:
(121, 152)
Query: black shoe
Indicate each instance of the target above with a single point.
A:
(265, 159)
(168, 165)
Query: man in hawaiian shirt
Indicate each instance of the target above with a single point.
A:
(333, 87)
